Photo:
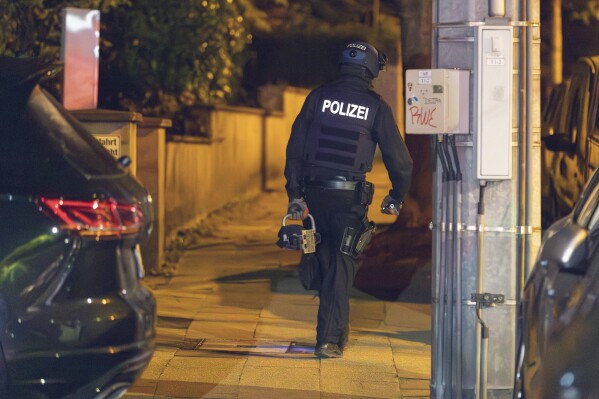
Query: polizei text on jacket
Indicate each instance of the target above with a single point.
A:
(349, 110)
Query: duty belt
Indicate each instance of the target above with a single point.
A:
(333, 184)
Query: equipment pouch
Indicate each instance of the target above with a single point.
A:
(369, 228)
(365, 192)
(354, 242)
(347, 242)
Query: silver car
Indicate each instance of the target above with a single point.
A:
(559, 351)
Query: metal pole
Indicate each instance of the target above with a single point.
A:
(480, 355)
(436, 268)
(556, 43)
(529, 123)
(523, 138)
(438, 310)
(449, 274)
(435, 35)
(439, 376)
(458, 270)
(484, 357)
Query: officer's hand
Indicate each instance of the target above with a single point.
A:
(390, 206)
(298, 209)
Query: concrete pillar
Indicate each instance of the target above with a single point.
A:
(509, 238)
(151, 171)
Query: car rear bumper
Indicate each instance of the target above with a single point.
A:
(98, 373)
(95, 351)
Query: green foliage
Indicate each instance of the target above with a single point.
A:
(164, 55)
(33, 28)
(161, 57)
(582, 10)
(157, 56)
(14, 16)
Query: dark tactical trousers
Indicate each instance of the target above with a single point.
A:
(333, 211)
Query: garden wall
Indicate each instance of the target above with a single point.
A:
(243, 154)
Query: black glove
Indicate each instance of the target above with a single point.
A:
(298, 209)
(391, 206)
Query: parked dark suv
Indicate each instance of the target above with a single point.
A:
(75, 320)
(571, 139)
(558, 349)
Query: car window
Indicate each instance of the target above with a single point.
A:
(594, 123)
(43, 148)
(572, 127)
(551, 105)
(66, 133)
(586, 214)
(594, 222)
(551, 109)
(583, 114)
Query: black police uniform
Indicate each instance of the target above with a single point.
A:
(330, 150)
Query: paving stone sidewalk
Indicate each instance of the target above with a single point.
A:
(234, 322)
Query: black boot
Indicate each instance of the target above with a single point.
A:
(344, 339)
(328, 350)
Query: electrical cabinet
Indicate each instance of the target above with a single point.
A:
(437, 101)
(493, 98)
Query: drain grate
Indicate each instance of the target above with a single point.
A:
(271, 348)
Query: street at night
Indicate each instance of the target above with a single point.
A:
(235, 322)
(347, 199)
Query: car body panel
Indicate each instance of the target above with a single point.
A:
(77, 321)
(559, 310)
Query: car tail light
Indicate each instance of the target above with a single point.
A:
(100, 218)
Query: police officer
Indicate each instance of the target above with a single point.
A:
(330, 150)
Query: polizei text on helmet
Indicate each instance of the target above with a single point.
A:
(357, 45)
(349, 110)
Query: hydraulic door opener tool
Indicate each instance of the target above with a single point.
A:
(296, 237)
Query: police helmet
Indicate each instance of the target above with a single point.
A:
(364, 54)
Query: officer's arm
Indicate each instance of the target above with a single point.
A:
(295, 148)
(395, 154)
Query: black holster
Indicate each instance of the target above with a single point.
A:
(365, 192)
(355, 241)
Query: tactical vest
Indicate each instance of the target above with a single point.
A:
(340, 134)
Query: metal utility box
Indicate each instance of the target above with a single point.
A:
(494, 76)
(437, 101)
(115, 130)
